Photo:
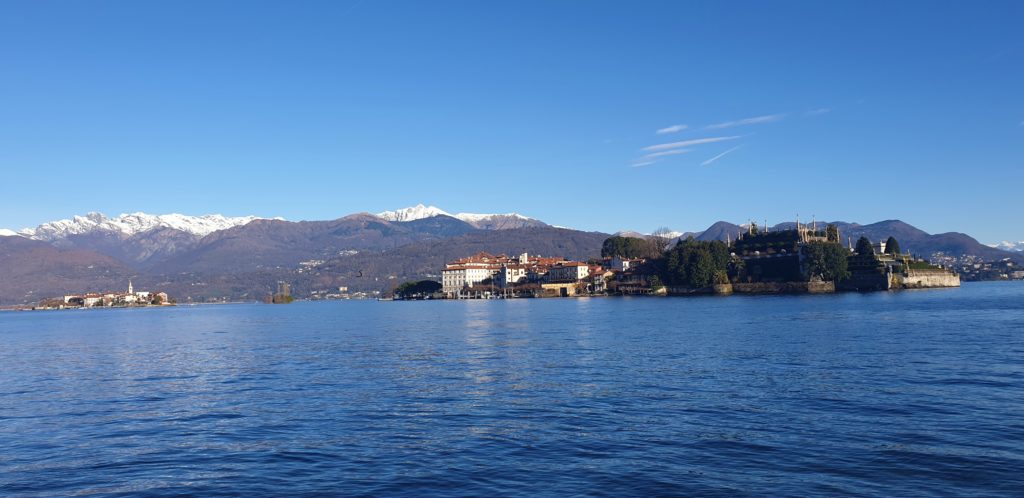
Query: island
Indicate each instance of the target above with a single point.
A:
(129, 299)
(757, 260)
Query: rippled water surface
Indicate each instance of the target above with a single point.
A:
(908, 393)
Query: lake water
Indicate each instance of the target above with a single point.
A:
(903, 393)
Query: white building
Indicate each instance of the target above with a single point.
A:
(456, 278)
(92, 300)
(468, 272)
(599, 279)
(459, 277)
(510, 275)
(623, 264)
(573, 271)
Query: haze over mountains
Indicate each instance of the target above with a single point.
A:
(212, 256)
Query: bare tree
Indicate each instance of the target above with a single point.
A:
(663, 237)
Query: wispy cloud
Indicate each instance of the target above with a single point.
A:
(818, 112)
(687, 143)
(667, 153)
(713, 159)
(649, 159)
(672, 129)
(770, 118)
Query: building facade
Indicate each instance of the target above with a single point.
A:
(483, 274)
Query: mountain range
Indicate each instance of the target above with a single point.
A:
(216, 257)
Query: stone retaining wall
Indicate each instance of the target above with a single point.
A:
(784, 288)
(866, 282)
(927, 279)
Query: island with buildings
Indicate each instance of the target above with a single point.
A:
(282, 295)
(803, 259)
(129, 299)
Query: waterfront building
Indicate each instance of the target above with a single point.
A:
(598, 280)
(510, 275)
(90, 300)
(481, 274)
(568, 271)
(465, 273)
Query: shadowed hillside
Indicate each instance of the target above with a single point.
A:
(31, 270)
(267, 244)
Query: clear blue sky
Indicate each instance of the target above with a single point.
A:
(849, 111)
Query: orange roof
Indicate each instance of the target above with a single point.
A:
(467, 267)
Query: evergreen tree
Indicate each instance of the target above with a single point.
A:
(421, 287)
(695, 263)
(892, 247)
(826, 260)
(631, 247)
(864, 247)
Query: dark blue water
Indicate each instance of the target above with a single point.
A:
(909, 393)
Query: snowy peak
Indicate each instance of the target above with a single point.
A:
(1010, 246)
(471, 217)
(417, 212)
(7, 233)
(670, 234)
(127, 225)
(500, 221)
(477, 220)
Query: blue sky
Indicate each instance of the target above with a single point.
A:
(313, 110)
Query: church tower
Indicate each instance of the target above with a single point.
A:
(130, 290)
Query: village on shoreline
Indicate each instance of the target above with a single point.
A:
(802, 260)
(129, 299)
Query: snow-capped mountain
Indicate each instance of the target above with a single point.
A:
(671, 234)
(1010, 246)
(482, 221)
(474, 217)
(7, 233)
(127, 225)
(417, 212)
